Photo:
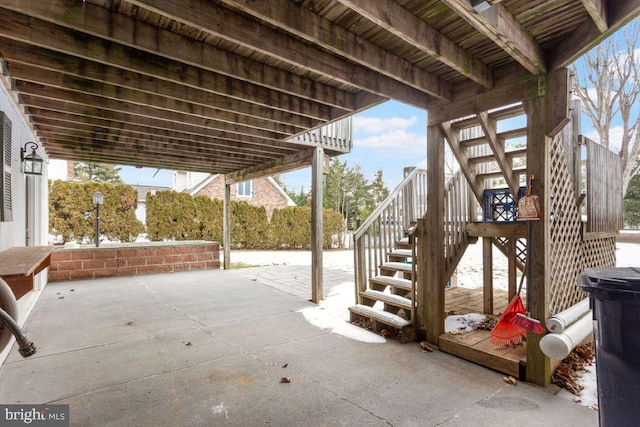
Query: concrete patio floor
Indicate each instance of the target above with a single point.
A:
(209, 348)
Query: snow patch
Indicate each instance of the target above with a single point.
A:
(589, 395)
(332, 314)
(462, 322)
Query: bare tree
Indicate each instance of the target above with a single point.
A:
(609, 88)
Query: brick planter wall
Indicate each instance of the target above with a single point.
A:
(89, 262)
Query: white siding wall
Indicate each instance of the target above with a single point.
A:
(13, 233)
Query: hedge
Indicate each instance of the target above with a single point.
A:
(72, 214)
(178, 216)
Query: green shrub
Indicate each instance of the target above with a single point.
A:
(72, 214)
(332, 228)
(209, 218)
(249, 225)
(172, 216)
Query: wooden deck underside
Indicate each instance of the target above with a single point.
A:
(475, 346)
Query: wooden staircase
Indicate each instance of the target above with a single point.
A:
(386, 263)
(386, 252)
(389, 299)
(490, 160)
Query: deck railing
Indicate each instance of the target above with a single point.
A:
(458, 212)
(388, 223)
(335, 136)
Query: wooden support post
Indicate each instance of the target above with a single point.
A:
(317, 178)
(431, 300)
(226, 227)
(538, 280)
(511, 266)
(487, 274)
(576, 149)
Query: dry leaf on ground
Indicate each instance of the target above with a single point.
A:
(511, 380)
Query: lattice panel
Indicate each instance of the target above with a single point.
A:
(599, 253)
(569, 255)
(565, 246)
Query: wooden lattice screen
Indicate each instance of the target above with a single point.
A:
(569, 252)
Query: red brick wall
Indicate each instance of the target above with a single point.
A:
(264, 194)
(132, 260)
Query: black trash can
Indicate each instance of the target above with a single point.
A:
(615, 300)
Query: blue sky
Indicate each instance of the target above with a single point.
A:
(390, 136)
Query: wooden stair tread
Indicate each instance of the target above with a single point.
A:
(513, 133)
(392, 299)
(394, 282)
(520, 152)
(381, 316)
(397, 266)
(499, 174)
(482, 159)
(407, 253)
(506, 113)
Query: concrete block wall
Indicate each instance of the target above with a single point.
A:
(88, 262)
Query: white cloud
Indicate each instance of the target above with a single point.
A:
(378, 124)
(615, 137)
(400, 141)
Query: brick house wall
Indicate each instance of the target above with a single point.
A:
(266, 192)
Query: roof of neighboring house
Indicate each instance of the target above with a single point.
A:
(143, 190)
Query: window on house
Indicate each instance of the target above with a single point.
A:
(244, 189)
(6, 203)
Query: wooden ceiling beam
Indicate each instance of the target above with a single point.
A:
(598, 13)
(79, 153)
(173, 98)
(324, 33)
(231, 147)
(105, 142)
(145, 126)
(118, 28)
(391, 16)
(198, 69)
(229, 25)
(292, 162)
(160, 109)
(504, 30)
(51, 119)
(588, 35)
(203, 89)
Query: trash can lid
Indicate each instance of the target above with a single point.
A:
(615, 278)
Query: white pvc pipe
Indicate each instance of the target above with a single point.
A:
(558, 322)
(558, 346)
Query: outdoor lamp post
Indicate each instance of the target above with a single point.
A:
(31, 163)
(98, 199)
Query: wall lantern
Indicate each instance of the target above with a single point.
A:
(98, 199)
(31, 163)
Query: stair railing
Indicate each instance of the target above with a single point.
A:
(389, 222)
(458, 212)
